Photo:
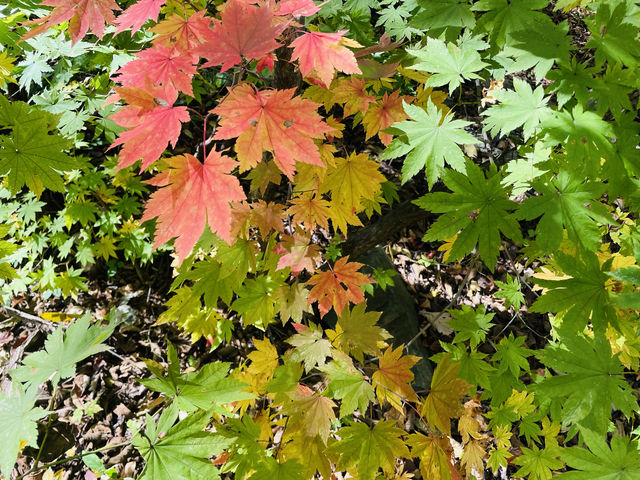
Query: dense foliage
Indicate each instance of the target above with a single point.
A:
(256, 138)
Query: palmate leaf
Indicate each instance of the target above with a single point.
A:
(448, 63)
(32, 154)
(178, 451)
(618, 461)
(477, 211)
(592, 379)
(61, 352)
(433, 138)
(348, 384)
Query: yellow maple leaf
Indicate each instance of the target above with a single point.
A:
(342, 215)
(394, 376)
(311, 413)
(264, 361)
(472, 456)
(310, 452)
(434, 453)
(6, 66)
(443, 402)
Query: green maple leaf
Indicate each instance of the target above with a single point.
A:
(571, 81)
(470, 324)
(178, 451)
(18, 422)
(208, 389)
(619, 461)
(256, 299)
(433, 137)
(581, 297)
(612, 90)
(504, 17)
(511, 355)
(521, 107)
(477, 211)
(348, 385)
(310, 347)
(561, 205)
(612, 34)
(537, 464)
(365, 449)
(437, 14)
(511, 292)
(448, 63)
(528, 51)
(61, 352)
(591, 380)
(271, 469)
(31, 155)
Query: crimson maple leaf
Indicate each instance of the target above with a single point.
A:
(138, 13)
(162, 66)
(82, 15)
(338, 286)
(195, 194)
(272, 120)
(323, 53)
(152, 121)
(243, 30)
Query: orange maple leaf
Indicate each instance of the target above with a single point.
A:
(394, 376)
(82, 15)
(243, 30)
(352, 94)
(387, 111)
(272, 120)
(298, 253)
(182, 34)
(137, 14)
(162, 66)
(338, 286)
(152, 121)
(310, 210)
(195, 194)
(324, 53)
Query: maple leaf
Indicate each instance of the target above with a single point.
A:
(445, 393)
(433, 137)
(303, 8)
(338, 286)
(341, 215)
(162, 66)
(356, 332)
(312, 412)
(272, 120)
(182, 34)
(351, 93)
(137, 14)
(82, 15)
(394, 376)
(537, 464)
(310, 347)
(347, 384)
(321, 54)
(618, 461)
(382, 114)
(364, 450)
(152, 121)
(194, 195)
(267, 217)
(298, 253)
(434, 453)
(310, 452)
(449, 64)
(353, 179)
(310, 210)
(243, 30)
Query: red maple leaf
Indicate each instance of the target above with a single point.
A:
(194, 194)
(338, 286)
(322, 53)
(82, 15)
(152, 121)
(272, 120)
(182, 34)
(138, 13)
(162, 66)
(243, 30)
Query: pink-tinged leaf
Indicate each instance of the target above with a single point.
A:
(321, 54)
(243, 30)
(303, 8)
(195, 194)
(182, 35)
(272, 120)
(152, 121)
(160, 65)
(83, 15)
(137, 14)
